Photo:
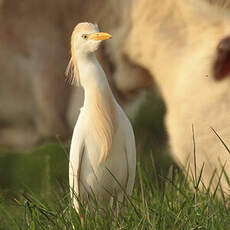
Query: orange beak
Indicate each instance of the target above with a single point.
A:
(100, 36)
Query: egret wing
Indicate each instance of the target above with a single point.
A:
(76, 153)
(131, 159)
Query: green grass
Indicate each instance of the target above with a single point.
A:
(172, 206)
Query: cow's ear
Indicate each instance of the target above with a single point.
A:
(221, 67)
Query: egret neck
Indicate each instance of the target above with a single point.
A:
(99, 101)
(92, 77)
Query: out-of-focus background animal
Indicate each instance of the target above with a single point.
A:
(34, 41)
(185, 45)
(182, 45)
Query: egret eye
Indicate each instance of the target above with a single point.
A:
(85, 36)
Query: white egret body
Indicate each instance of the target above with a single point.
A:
(103, 144)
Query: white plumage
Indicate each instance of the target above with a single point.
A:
(103, 144)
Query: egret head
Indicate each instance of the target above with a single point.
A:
(86, 38)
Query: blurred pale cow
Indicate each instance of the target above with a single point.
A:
(34, 44)
(185, 45)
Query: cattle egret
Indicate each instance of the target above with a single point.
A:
(103, 153)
